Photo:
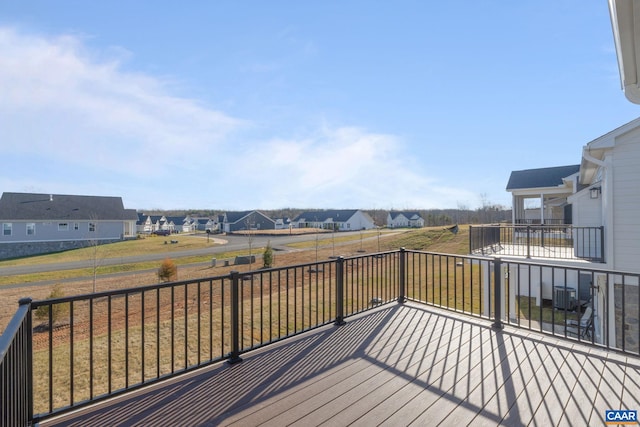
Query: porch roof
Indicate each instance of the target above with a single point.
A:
(540, 178)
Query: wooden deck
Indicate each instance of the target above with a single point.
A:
(396, 366)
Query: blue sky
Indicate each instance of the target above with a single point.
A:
(237, 105)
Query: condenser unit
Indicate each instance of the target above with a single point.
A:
(565, 298)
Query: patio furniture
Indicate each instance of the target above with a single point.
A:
(584, 327)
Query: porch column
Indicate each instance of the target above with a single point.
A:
(541, 208)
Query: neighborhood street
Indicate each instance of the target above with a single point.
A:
(230, 243)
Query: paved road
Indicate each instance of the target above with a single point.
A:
(231, 243)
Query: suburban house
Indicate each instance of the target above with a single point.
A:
(247, 220)
(337, 220)
(153, 223)
(581, 217)
(398, 219)
(282, 223)
(35, 224)
(539, 196)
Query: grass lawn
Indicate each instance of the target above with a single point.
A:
(529, 311)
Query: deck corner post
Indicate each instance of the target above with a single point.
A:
(403, 276)
(28, 343)
(234, 356)
(339, 292)
(498, 283)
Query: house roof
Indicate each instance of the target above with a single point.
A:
(43, 207)
(540, 178)
(233, 217)
(322, 216)
(177, 220)
(624, 17)
(407, 214)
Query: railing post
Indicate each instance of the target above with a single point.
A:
(497, 293)
(339, 291)
(234, 356)
(29, 349)
(403, 276)
(602, 258)
(528, 241)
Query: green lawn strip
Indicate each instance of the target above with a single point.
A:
(108, 269)
(148, 245)
(327, 239)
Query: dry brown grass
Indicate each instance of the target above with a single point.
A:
(166, 318)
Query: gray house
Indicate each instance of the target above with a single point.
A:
(35, 224)
(247, 220)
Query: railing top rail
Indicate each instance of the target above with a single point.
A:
(559, 226)
(14, 325)
(586, 267)
(472, 257)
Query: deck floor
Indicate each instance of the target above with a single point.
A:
(399, 365)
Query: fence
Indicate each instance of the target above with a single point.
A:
(542, 241)
(15, 369)
(63, 353)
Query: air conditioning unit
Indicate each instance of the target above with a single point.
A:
(565, 298)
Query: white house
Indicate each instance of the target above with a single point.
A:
(397, 219)
(601, 194)
(337, 220)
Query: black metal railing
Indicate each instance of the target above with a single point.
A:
(546, 221)
(16, 399)
(85, 348)
(538, 241)
(591, 305)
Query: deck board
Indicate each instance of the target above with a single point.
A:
(398, 365)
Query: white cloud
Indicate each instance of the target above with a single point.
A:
(56, 99)
(72, 121)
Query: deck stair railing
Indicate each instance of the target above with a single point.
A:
(61, 354)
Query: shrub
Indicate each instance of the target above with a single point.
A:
(267, 256)
(168, 271)
(58, 311)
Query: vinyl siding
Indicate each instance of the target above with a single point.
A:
(626, 201)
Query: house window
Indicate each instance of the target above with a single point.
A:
(6, 229)
(76, 226)
(63, 226)
(31, 229)
(92, 227)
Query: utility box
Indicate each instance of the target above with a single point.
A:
(213, 262)
(565, 298)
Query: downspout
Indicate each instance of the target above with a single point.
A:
(608, 220)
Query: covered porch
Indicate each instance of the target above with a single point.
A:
(540, 196)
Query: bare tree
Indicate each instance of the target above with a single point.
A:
(94, 242)
(250, 237)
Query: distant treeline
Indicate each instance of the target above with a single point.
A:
(432, 217)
